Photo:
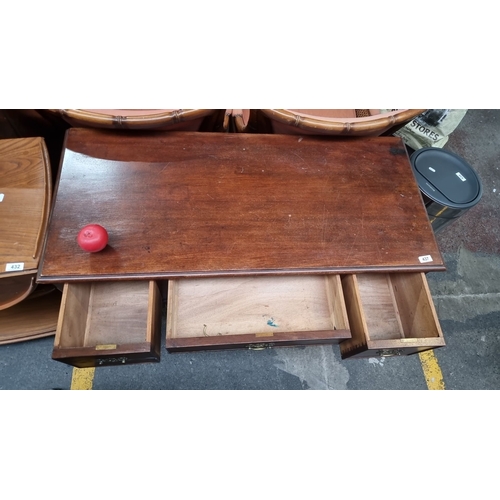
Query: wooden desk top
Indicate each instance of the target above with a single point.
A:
(183, 204)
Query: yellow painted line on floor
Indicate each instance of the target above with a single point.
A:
(432, 371)
(82, 379)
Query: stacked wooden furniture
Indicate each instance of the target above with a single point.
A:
(25, 198)
(136, 119)
(334, 122)
(261, 240)
(350, 122)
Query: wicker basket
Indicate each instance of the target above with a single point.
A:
(136, 119)
(350, 122)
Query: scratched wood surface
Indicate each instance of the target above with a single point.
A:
(184, 204)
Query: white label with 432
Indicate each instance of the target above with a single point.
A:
(14, 266)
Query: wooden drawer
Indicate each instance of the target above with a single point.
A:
(255, 312)
(389, 315)
(108, 323)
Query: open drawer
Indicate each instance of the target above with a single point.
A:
(255, 312)
(389, 315)
(108, 323)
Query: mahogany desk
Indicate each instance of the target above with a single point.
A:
(207, 204)
(189, 205)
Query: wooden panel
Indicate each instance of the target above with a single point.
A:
(32, 318)
(14, 289)
(25, 195)
(86, 357)
(382, 318)
(108, 323)
(390, 314)
(227, 312)
(356, 315)
(415, 306)
(193, 204)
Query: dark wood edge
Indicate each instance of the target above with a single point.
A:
(238, 273)
(92, 362)
(157, 323)
(402, 344)
(374, 345)
(364, 353)
(257, 342)
(42, 232)
(22, 296)
(55, 189)
(66, 352)
(86, 357)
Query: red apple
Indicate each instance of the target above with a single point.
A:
(92, 238)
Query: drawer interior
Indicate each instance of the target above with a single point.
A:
(263, 306)
(103, 313)
(392, 312)
(395, 306)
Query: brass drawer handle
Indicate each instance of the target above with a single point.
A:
(385, 353)
(122, 359)
(261, 346)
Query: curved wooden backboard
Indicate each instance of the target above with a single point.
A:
(25, 197)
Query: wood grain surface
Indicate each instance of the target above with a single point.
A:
(264, 305)
(185, 204)
(25, 196)
(34, 317)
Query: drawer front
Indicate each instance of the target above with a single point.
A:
(256, 342)
(113, 356)
(108, 323)
(255, 312)
(383, 350)
(390, 315)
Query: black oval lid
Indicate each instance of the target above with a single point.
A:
(448, 173)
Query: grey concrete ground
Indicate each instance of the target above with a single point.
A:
(467, 298)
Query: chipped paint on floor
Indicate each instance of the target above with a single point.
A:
(82, 379)
(318, 367)
(376, 361)
(432, 371)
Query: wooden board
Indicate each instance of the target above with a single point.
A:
(32, 318)
(14, 289)
(186, 204)
(25, 196)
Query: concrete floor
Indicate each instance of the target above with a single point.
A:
(467, 298)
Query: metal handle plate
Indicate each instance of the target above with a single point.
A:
(260, 346)
(386, 353)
